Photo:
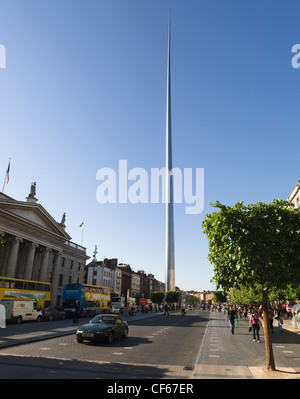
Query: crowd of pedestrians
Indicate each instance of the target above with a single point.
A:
(254, 314)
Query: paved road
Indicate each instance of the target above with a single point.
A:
(157, 347)
(198, 345)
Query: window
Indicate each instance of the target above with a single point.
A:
(39, 286)
(78, 266)
(18, 285)
(30, 286)
(62, 262)
(70, 264)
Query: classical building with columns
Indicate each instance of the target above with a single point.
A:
(294, 197)
(37, 247)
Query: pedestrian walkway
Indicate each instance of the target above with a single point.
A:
(287, 326)
(223, 355)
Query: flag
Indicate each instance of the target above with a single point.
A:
(7, 172)
(81, 224)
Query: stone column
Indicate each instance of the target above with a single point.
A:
(13, 256)
(55, 278)
(29, 262)
(44, 267)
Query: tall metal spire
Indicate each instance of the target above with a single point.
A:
(170, 258)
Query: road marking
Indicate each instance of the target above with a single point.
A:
(287, 351)
(214, 356)
(117, 353)
(280, 346)
(45, 349)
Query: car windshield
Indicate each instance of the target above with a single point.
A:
(103, 319)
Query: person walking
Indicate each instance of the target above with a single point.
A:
(182, 309)
(76, 312)
(254, 324)
(231, 316)
(166, 309)
(278, 317)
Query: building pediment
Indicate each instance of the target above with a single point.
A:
(32, 216)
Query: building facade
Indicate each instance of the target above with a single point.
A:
(294, 197)
(98, 274)
(37, 247)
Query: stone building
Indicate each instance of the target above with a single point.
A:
(37, 247)
(294, 197)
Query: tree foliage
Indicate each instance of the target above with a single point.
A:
(157, 296)
(219, 296)
(255, 246)
(172, 296)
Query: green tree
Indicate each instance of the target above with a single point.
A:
(219, 297)
(157, 296)
(172, 296)
(246, 295)
(193, 299)
(258, 244)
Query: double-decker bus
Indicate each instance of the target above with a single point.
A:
(18, 289)
(93, 299)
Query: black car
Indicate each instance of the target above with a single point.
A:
(103, 328)
(53, 314)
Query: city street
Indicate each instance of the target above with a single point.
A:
(196, 346)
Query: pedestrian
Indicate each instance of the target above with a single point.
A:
(166, 309)
(231, 316)
(76, 312)
(254, 324)
(288, 311)
(182, 309)
(296, 315)
(278, 317)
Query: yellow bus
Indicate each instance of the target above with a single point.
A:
(18, 289)
(93, 299)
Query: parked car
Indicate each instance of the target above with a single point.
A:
(103, 328)
(53, 314)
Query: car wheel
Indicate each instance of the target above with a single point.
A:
(125, 333)
(50, 318)
(79, 340)
(110, 337)
(38, 319)
(19, 320)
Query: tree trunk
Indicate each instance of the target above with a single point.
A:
(267, 331)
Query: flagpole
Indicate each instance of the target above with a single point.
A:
(82, 232)
(4, 184)
(7, 171)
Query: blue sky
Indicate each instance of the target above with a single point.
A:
(85, 86)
